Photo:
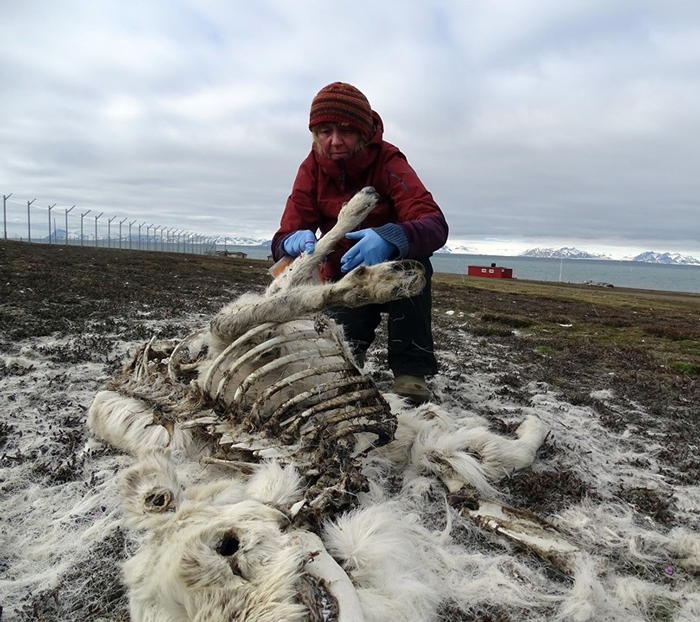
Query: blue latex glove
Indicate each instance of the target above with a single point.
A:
(371, 249)
(299, 241)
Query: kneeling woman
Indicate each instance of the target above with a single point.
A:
(348, 154)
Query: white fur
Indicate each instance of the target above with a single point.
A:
(501, 456)
(154, 477)
(364, 285)
(390, 561)
(390, 558)
(275, 485)
(183, 572)
(127, 423)
(428, 440)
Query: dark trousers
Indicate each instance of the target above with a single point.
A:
(409, 328)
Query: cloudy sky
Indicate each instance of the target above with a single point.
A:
(533, 122)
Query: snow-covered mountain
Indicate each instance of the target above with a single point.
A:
(460, 249)
(57, 235)
(562, 253)
(647, 257)
(667, 258)
(244, 241)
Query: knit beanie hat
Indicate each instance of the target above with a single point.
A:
(342, 103)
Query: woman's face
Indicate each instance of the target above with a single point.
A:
(338, 142)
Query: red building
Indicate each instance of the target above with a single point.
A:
(493, 271)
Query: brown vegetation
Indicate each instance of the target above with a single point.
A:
(642, 347)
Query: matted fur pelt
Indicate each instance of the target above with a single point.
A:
(269, 469)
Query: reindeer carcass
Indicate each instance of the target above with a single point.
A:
(268, 396)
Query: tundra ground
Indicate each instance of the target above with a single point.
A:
(69, 315)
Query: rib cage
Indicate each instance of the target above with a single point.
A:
(270, 377)
(293, 386)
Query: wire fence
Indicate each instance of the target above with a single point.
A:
(68, 225)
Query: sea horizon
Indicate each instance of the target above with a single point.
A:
(612, 272)
(605, 272)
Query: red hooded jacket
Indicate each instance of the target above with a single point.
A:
(405, 215)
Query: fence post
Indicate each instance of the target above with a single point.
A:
(29, 221)
(109, 231)
(81, 225)
(96, 217)
(67, 211)
(4, 212)
(121, 222)
(130, 224)
(50, 208)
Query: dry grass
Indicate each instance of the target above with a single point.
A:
(643, 347)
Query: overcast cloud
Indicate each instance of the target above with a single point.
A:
(533, 122)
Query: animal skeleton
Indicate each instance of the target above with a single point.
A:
(270, 393)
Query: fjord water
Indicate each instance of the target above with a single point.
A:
(635, 274)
